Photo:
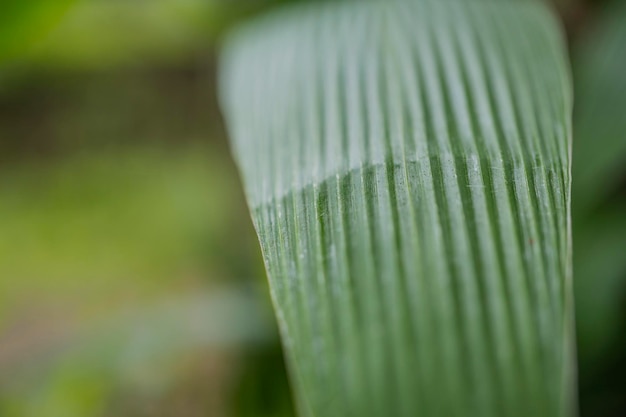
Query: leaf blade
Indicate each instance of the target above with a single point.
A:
(407, 169)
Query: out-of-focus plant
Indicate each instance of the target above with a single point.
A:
(599, 210)
(108, 299)
(23, 21)
(138, 350)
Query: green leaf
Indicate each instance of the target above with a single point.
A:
(407, 169)
(600, 285)
(600, 125)
(599, 154)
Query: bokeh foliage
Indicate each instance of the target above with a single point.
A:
(79, 163)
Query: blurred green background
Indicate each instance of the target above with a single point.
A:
(130, 279)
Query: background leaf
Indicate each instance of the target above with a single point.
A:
(23, 21)
(599, 208)
(600, 144)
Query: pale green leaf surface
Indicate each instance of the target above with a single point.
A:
(407, 169)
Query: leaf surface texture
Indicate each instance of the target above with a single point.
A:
(407, 166)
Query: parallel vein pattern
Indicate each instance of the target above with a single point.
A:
(407, 168)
